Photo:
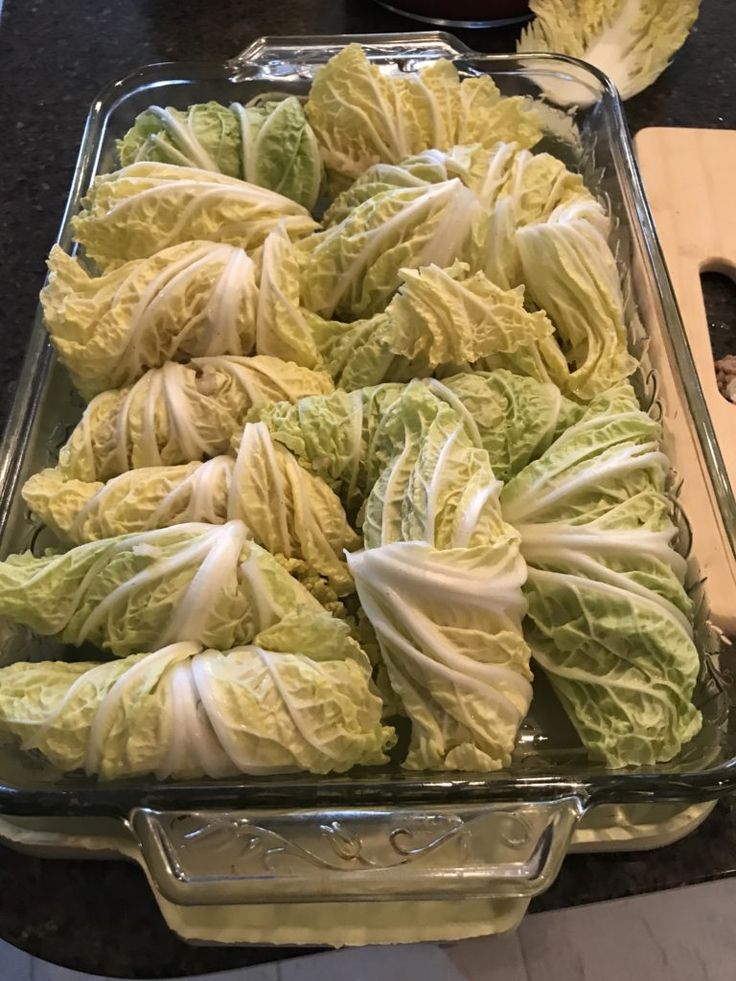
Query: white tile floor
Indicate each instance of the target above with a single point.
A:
(679, 935)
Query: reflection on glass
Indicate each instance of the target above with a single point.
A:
(462, 13)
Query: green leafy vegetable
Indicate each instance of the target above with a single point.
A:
(440, 319)
(146, 207)
(359, 354)
(428, 167)
(624, 665)
(178, 413)
(363, 116)
(515, 418)
(570, 271)
(609, 619)
(282, 326)
(288, 510)
(352, 268)
(198, 582)
(449, 626)
(521, 189)
(298, 698)
(349, 438)
(205, 136)
(280, 150)
(440, 580)
(446, 317)
(438, 488)
(198, 298)
(632, 41)
(271, 145)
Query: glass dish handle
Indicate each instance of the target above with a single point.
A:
(285, 58)
(469, 851)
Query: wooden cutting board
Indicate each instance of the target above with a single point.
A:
(689, 176)
(690, 179)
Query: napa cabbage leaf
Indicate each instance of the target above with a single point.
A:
(362, 115)
(189, 300)
(631, 41)
(297, 698)
(148, 206)
(609, 618)
(288, 510)
(179, 413)
(205, 583)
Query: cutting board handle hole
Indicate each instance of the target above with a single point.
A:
(718, 283)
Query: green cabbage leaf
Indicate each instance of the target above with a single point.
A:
(289, 511)
(362, 116)
(570, 271)
(148, 206)
(609, 618)
(440, 318)
(297, 698)
(205, 583)
(449, 627)
(283, 328)
(440, 580)
(348, 438)
(631, 41)
(280, 150)
(179, 413)
(352, 268)
(190, 300)
(271, 145)
(205, 136)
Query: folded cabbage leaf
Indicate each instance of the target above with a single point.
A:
(627, 683)
(514, 419)
(362, 116)
(514, 187)
(271, 145)
(438, 488)
(446, 317)
(297, 698)
(631, 42)
(570, 271)
(283, 328)
(347, 438)
(205, 135)
(194, 581)
(440, 317)
(289, 511)
(179, 413)
(359, 355)
(148, 206)
(351, 269)
(280, 150)
(520, 189)
(437, 318)
(440, 580)
(449, 626)
(609, 619)
(419, 170)
(193, 299)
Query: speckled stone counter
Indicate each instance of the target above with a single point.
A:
(100, 916)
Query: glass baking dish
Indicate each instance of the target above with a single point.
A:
(385, 834)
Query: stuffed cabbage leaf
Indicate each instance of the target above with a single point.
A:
(196, 582)
(178, 413)
(297, 698)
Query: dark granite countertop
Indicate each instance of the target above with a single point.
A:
(101, 916)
